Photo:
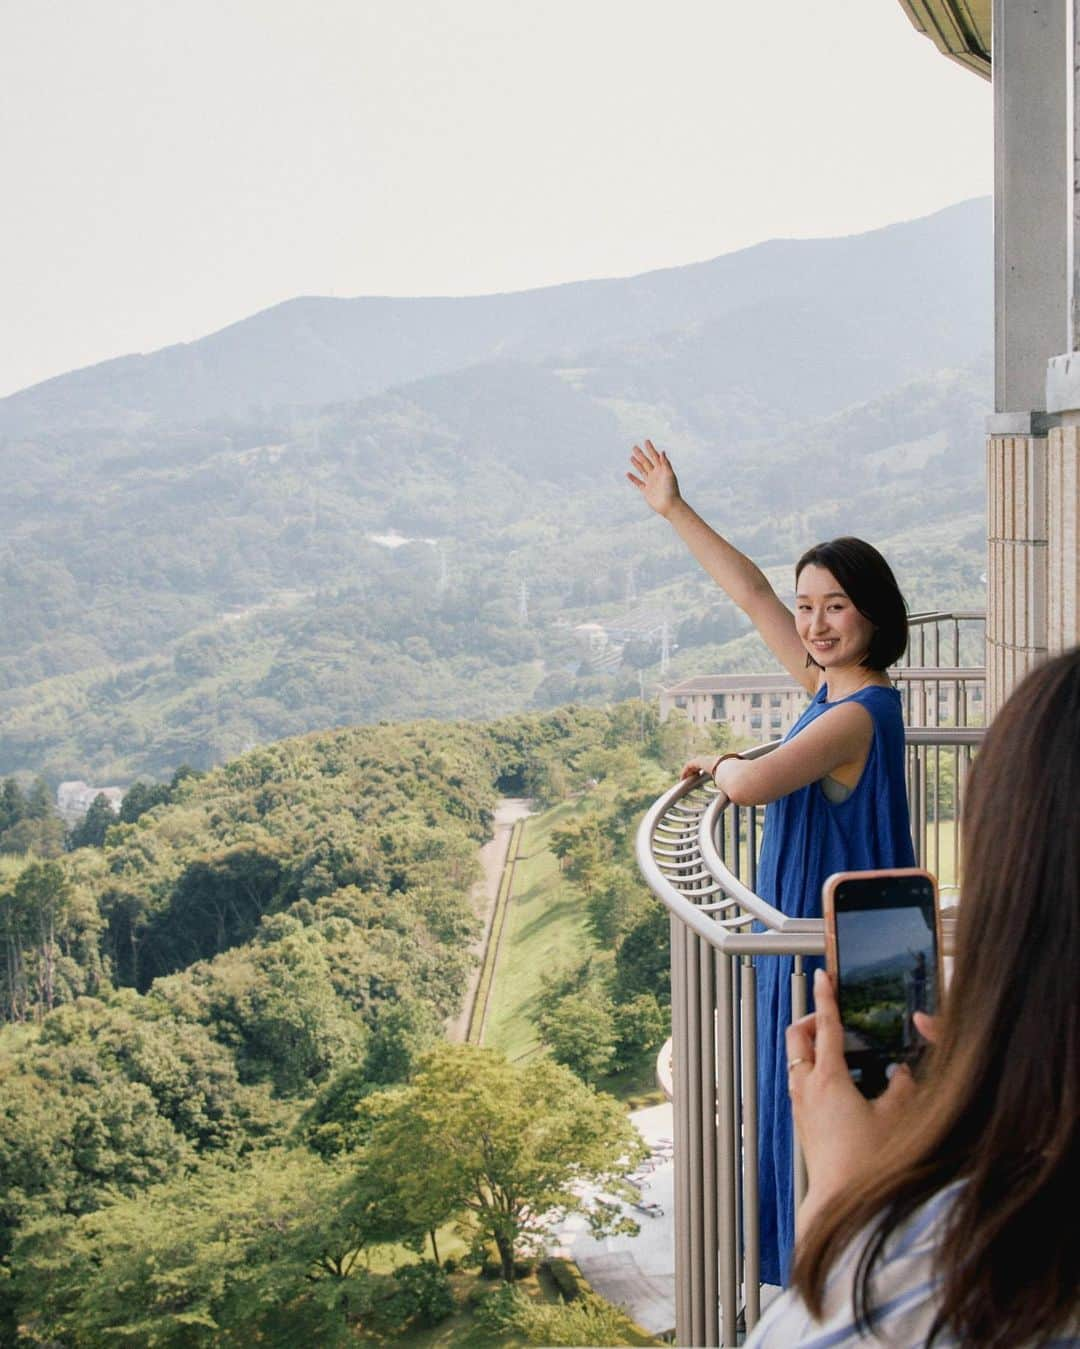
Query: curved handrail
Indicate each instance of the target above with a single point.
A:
(689, 811)
(686, 866)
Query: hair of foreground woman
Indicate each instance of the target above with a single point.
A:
(869, 583)
(1001, 1103)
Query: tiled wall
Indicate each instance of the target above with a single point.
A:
(1016, 619)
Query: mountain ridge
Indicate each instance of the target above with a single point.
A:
(309, 351)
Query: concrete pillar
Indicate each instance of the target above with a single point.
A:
(1063, 537)
(1063, 396)
(1031, 247)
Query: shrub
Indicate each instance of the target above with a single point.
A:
(500, 1311)
(429, 1288)
(588, 1320)
(568, 1278)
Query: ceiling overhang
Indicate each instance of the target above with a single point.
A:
(958, 28)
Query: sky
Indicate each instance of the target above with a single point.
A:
(172, 168)
(865, 936)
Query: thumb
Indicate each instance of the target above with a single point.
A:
(899, 1094)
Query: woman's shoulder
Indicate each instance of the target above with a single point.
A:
(903, 1293)
(882, 701)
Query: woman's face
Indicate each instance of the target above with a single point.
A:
(831, 628)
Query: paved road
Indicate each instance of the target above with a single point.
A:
(637, 1273)
(484, 894)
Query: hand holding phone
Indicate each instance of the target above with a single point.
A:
(883, 951)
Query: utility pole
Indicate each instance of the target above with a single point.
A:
(523, 603)
(665, 648)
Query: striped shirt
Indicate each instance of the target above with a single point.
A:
(903, 1295)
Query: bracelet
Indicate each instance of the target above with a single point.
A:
(722, 759)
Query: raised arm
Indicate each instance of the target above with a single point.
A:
(742, 581)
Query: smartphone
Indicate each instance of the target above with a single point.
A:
(883, 950)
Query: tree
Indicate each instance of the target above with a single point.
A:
(580, 1033)
(42, 835)
(33, 916)
(404, 1030)
(261, 1254)
(675, 740)
(12, 804)
(643, 961)
(615, 904)
(91, 830)
(582, 851)
(39, 801)
(141, 797)
(275, 1005)
(513, 1148)
(640, 1027)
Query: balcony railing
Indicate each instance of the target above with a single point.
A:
(698, 853)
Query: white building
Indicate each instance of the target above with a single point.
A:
(74, 799)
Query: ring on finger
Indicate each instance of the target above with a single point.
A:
(795, 1062)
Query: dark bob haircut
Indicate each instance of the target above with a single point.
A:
(869, 584)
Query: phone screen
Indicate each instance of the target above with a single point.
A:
(886, 965)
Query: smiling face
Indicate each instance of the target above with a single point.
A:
(833, 631)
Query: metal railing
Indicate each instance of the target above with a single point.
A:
(698, 853)
(944, 707)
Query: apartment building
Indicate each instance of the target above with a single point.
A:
(759, 706)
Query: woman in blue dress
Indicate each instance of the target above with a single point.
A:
(835, 788)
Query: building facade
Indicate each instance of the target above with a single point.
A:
(755, 706)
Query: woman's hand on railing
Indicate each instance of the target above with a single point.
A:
(841, 1132)
(705, 763)
(700, 763)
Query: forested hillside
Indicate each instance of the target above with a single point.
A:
(221, 1025)
(182, 587)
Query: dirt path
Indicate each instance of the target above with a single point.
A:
(485, 892)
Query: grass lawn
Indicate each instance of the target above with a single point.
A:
(939, 851)
(635, 1087)
(545, 932)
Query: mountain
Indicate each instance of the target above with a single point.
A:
(916, 296)
(180, 589)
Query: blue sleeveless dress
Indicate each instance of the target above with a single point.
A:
(806, 838)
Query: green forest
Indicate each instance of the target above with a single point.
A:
(180, 594)
(228, 1112)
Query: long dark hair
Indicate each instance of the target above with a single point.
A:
(869, 583)
(1000, 1109)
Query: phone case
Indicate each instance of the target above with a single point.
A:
(828, 908)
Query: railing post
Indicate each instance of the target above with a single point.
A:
(728, 1149)
(711, 1033)
(750, 1216)
(681, 1121)
(692, 1088)
(798, 1009)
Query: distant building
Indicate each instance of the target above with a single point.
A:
(760, 706)
(74, 799)
(598, 651)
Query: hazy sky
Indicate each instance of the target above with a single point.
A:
(171, 167)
